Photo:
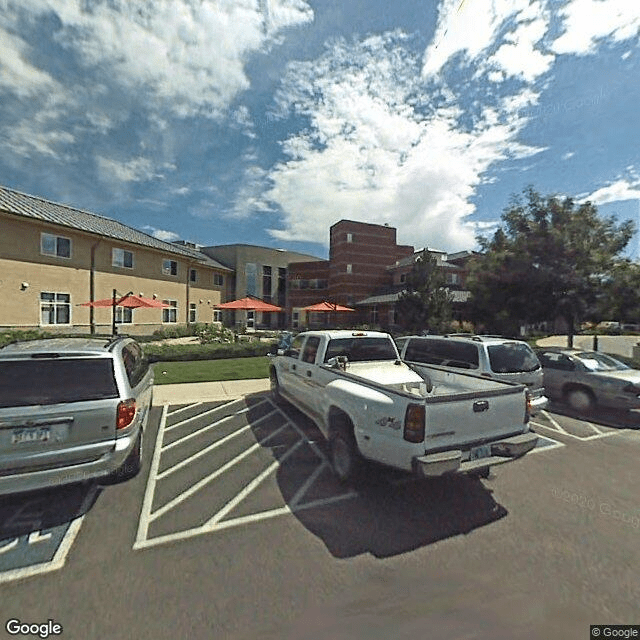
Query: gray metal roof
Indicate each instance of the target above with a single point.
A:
(27, 206)
(388, 298)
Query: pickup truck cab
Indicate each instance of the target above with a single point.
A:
(423, 419)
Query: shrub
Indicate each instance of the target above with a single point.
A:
(211, 333)
(213, 351)
(16, 335)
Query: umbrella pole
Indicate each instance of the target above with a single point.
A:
(113, 314)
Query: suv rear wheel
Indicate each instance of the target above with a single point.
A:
(131, 466)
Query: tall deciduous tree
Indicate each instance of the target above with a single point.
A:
(426, 302)
(551, 257)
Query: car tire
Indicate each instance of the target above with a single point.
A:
(274, 383)
(131, 466)
(346, 461)
(581, 400)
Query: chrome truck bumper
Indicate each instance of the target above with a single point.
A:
(478, 458)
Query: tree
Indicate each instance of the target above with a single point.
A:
(620, 297)
(550, 258)
(426, 302)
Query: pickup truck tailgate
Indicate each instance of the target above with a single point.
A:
(464, 419)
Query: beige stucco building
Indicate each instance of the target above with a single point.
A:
(53, 258)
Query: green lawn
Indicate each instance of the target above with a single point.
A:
(211, 370)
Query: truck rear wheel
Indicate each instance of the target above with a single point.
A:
(346, 460)
(275, 387)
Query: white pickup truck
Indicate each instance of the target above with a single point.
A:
(422, 419)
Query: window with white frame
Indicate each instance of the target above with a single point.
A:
(169, 267)
(218, 279)
(349, 268)
(193, 312)
(217, 315)
(349, 237)
(52, 245)
(170, 313)
(122, 258)
(55, 308)
(124, 315)
(193, 275)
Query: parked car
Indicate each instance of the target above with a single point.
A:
(71, 409)
(586, 379)
(489, 356)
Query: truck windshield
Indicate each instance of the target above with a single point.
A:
(361, 349)
(31, 382)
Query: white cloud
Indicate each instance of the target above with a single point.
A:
(586, 22)
(369, 155)
(134, 170)
(622, 189)
(568, 155)
(185, 55)
(472, 29)
(162, 234)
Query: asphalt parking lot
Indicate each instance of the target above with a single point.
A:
(236, 528)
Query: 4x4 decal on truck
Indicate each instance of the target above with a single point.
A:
(389, 421)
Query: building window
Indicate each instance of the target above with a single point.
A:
(374, 315)
(295, 318)
(218, 279)
(170, 313)
(251, 275)
(58, 246)
(349, 268)
(124, 315)
(169, 267)
(453, 278)
(349, 237)
(122, 258)
(193, 275)
(266, 283)
(403, 278)
(282, 286)
(193, 311)
(217, 315)
(55, 308)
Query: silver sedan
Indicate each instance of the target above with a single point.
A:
(586, 379)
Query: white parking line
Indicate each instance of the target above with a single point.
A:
(200, 415)
(597, 436)
(554, 423)
(191, 406)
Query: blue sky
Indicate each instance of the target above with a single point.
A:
(266, 121)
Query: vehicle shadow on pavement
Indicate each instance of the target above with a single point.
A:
(25, 513)
(603, 416)
(386, 514)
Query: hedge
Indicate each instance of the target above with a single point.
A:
(183, 352)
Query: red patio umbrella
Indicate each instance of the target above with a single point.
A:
(249, 304)
(128, 300)
(327, 306)
(134, 302)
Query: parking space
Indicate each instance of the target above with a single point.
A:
(38, 529)
(219, 465)
(562, 421)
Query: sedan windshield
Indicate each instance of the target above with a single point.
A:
(599, 362)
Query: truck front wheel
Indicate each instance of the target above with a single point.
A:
(345, 459)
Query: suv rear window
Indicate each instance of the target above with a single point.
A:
(30, 382)
(512, 357)
(443, 352)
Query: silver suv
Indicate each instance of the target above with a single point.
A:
(71, 409)
(488, 356)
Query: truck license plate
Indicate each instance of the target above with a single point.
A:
(31, 434)
(480, 452)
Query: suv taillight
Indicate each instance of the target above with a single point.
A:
(414, 423)
(527, 406)
(126, 413)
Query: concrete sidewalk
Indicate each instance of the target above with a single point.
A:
(207, 391)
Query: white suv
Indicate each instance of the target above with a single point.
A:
(488, 356)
